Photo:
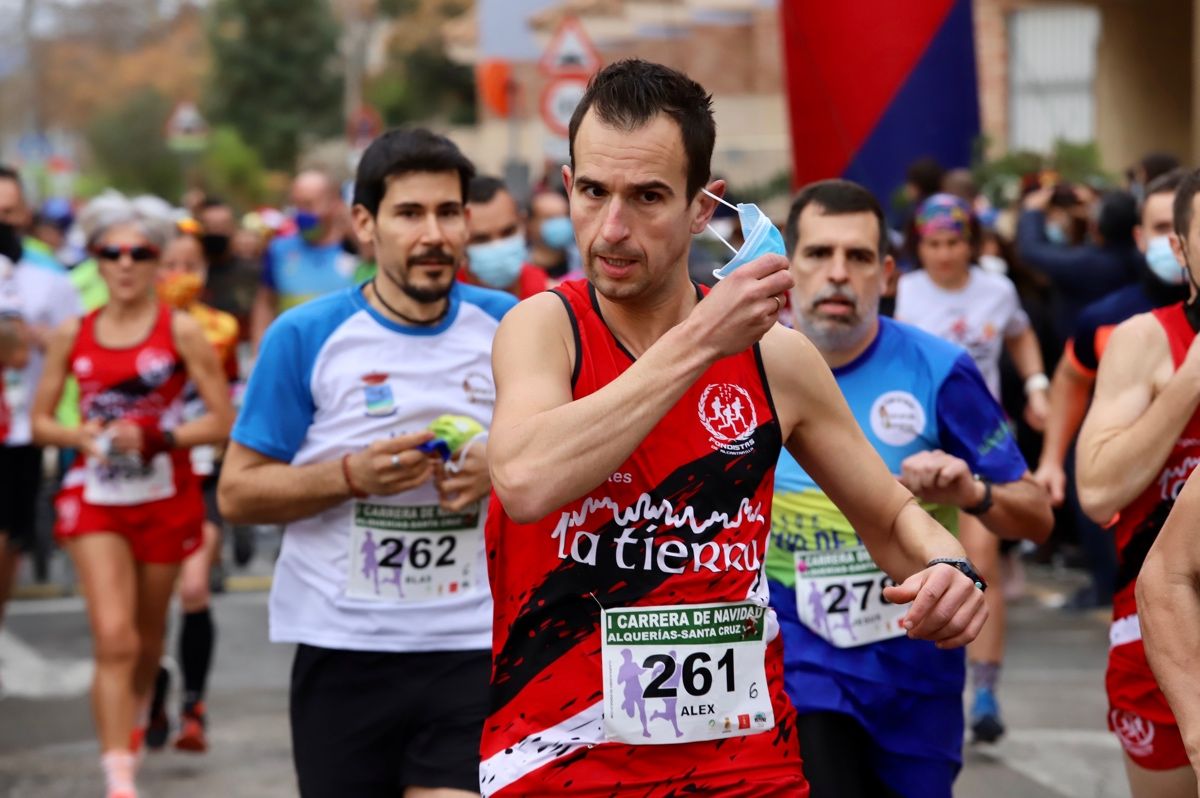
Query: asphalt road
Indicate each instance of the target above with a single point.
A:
(1051, 693)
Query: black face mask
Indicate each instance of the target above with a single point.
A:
(216, 246)
(1191, 308)
(10, 243)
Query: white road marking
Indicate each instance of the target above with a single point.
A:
(24, 673)
(1064, 760)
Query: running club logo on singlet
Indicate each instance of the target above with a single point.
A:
(155, 366)
(897, 418)
(1136, 733)
(82, 366)
(727, 412)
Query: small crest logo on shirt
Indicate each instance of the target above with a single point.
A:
(378, 394)
(479, 388)
(154, 366)
(1136, 732)
(897, 418)
(727, 412)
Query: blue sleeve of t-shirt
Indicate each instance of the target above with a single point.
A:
(972, 426)
(278, 408)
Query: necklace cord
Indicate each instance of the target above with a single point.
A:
(405, 317)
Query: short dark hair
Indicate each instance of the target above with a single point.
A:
(835, 198)
(10, 173)
(1184, 195)
(211, 201)
(1118, 216)
(926, 174)
(629, 93)
(1157, 163)
(401, 151)
(484, 188)
(1166, 183)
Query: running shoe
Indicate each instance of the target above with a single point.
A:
(985, 717)
(159, 728)
(192, 726)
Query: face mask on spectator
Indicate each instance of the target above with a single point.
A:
(1161, 260)
(1055, 234)
(558, 233)
(10, 243)
(497, 264)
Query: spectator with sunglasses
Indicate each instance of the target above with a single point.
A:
(130, 510)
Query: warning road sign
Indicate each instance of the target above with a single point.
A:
(570, 52)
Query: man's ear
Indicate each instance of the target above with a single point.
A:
(1139, 237)
(568, 179)
(706, 205)
(364, 224)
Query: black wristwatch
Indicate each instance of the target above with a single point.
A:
(985, 503)
(964, 565)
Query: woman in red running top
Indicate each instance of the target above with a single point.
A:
(130, 509)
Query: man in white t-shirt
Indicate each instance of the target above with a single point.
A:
(381, 579)
(43, 299)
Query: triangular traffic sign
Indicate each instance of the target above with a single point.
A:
(571, 51)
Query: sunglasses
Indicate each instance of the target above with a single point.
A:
(138, 254)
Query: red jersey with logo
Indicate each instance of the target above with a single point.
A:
(684, 520)
(1138, 710)
(142, 384)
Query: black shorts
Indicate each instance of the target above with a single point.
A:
(369, 724)
(20, 484)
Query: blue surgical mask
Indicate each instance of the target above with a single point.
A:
(497, 264)
(307, 224)
(1055, 234)
(557, 233)
(760, 236)
(1161, 260)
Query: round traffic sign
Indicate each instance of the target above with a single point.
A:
(559, 99)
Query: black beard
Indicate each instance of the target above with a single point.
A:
(425, 296)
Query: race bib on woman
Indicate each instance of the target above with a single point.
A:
(124, 481)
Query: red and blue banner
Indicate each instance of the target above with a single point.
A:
(875, 84)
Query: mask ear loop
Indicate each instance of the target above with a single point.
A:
(712, 230)
(455, 465)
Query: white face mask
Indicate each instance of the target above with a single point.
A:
(993, 263)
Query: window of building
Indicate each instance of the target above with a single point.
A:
(1052, 69)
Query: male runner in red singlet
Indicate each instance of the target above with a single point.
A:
(637, 426)
(1139, 443)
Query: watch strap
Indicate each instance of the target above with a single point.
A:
(963, 565)
(985, 503)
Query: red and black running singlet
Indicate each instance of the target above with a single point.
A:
(1138, 525)
(142, 383)
(683, 521)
